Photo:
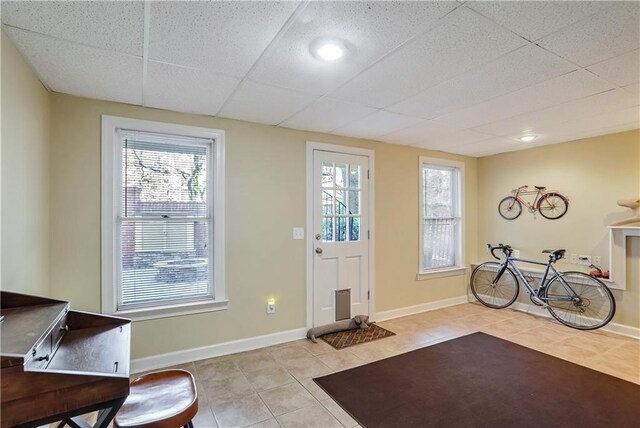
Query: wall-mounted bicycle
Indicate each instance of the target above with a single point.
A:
(551, 205)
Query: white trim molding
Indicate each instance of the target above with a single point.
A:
(370, 154)
(155, 362)
(110, 197)
(423, 307)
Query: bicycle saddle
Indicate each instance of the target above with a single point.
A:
(557, 254)
(540, 187)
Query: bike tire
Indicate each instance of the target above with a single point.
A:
(497, 296)
(552, 206)
(595, 308)
(510, 208)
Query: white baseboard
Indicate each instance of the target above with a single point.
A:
(424, 307)
(622, 329)
(188, 355)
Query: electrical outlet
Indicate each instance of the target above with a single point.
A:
(271, 306)
(516, 253)
(597, 261)
(573, 259)
(584, 260)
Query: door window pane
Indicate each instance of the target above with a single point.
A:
(354, 229)
(327, 229)
(341, 202)
(354, 176)
(341, 174)
(354, 202)
(327, 174)
(327, 201)
(341, 229)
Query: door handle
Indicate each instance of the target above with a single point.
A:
(318, 250)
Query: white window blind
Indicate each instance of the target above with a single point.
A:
(440, 217)
(165, 220)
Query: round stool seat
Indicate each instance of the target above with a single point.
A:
(165, 399)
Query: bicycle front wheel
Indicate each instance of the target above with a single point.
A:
(579, 301)
(553, 206)
(510, 208)
(490, 293)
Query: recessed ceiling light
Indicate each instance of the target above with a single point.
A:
(328, 49)
(527, 138)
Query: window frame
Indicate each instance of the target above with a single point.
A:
(459, 267)
(110, 195)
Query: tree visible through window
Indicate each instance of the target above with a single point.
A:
(441, 220)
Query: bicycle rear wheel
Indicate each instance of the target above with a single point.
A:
(510, 208)
(553, 206)
(499, 295)
(591, 307)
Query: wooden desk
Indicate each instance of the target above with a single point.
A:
(58, 364)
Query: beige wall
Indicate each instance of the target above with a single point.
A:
(593, 173)
(25, 176)
(265, 199)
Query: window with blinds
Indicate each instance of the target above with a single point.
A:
(441, 219)
(164, 220)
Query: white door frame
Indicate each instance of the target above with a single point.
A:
(370, 154)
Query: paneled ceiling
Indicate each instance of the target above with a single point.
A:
(460, 77)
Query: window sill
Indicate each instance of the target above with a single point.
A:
(155, 312)
(441, 273)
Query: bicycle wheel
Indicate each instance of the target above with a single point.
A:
(553, 206)
(510, 208)
(592, 307)
(499, 295)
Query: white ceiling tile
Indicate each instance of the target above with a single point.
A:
(109, 25)
(369, 29)
(260, 103)
(494, 145)
(81, 70)
(577, 84)
(432, 134)
(225, 37)
(379, 123)
(622, 70)
(518, 69)
(594, 105)
(326, 114)
(633, 90)
(455, 138)
(535, 19)
(604, 35)
(581, 127)
(463, 42)
(186, 89)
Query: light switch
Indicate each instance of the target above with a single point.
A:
(298, 233)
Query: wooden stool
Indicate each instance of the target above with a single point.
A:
(165, 399)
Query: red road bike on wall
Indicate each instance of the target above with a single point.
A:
(551, 205)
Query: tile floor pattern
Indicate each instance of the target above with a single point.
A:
(273, 387)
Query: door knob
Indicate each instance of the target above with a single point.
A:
(318, 250)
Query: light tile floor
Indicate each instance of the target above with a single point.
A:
(273, 387)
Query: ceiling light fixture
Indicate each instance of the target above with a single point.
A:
(527, 138)
(328, 49)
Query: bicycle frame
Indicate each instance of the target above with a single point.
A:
(531, 206)
(510, 262)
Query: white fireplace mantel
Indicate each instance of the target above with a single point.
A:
(618, 253)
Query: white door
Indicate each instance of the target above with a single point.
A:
(340, 233)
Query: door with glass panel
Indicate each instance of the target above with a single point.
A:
(340, 233)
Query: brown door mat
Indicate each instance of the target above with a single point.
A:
(344, 339)
(482, 381)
